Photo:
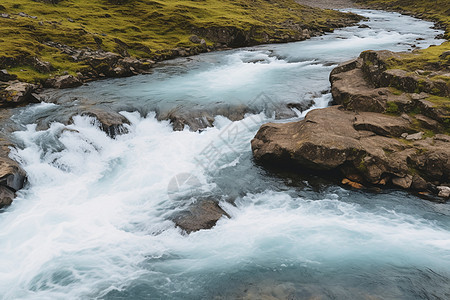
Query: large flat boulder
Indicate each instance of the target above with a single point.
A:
(363, 146)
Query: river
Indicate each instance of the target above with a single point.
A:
(94, 220)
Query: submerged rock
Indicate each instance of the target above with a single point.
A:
(110, 121)
(203, 214)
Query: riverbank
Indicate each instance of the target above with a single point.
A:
(328, 4)
(392, 125)
(64, 38)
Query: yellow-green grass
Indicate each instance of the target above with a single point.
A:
(426, 60)
(147, 27)
(437, 10)
(427, 63)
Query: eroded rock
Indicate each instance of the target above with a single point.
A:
(16, 93)
(12, 176)
(63, 82)
(6, 196)
(444, 191)
(110, 121)
(367, 151)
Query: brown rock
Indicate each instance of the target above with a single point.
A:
(11, 174)
(63, 82)
(110, 121)
(427, 122)
(17, 93)
(6, 196)
(202, 215)
(313, 143)
(354, 93)
(194, 39)
(327, 139)
(381, 124)
(403, 182)
(418, 183)
(442, 137)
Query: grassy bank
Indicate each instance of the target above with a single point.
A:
(140, 28)
(435, 10)
(432, 63)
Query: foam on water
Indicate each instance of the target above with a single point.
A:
(94, 220)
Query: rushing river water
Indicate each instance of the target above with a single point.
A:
(95, 218)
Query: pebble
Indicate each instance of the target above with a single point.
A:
(415, 136)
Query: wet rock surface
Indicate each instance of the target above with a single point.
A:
(203, 214)
(111, 122)
(12, 176)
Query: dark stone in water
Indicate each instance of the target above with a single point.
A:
(6, 196)
(12, 176)
(203, 214)
(111, 122)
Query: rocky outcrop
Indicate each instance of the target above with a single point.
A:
(16, 93)
(365, 84)
(12, 177)
(63, 82)
(102, 63)
(364, 147)
(385, 131)
(111, 122)
(203, 214)
(287, 31)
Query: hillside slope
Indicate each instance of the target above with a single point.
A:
(149, 29)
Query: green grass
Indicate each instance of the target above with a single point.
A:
(147, 28)
(426, 60)
(437, 10)
(392, 108)
(425, 63)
